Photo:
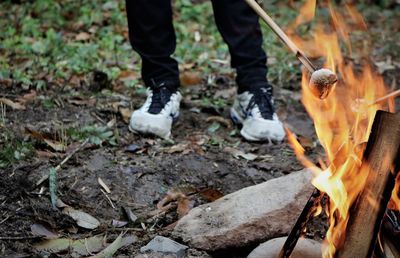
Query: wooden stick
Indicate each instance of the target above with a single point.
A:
(45, 177)
(394, 94)
(300, 224)
(279, 32)
(381, 160)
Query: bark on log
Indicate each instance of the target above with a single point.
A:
(382, 160)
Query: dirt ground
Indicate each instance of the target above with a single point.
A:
(139, 170)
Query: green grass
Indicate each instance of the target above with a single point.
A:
(38, 45)
(13, 149)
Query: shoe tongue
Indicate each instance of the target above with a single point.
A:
(160, 97)
(262, 97)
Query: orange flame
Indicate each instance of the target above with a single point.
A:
(342, 121)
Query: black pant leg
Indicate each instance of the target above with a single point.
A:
(239, 27)
(152, 36)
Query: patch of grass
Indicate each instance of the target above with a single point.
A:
(96, 135)
(13, 149)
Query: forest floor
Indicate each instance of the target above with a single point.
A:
(64, 82)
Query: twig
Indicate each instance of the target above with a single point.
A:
(19, 237)
(125, 229)
(394, 94)
(45, 177)
(108, 198)
(4, 220)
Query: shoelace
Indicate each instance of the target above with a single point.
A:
(262, 97)
(161, 96)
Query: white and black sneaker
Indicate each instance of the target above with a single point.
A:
(158, 113)
(255, 110)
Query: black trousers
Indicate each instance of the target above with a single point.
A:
(152, 36)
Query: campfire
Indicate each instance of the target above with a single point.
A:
(361, 139)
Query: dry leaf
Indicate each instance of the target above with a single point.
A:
(189, 78)
(181, 147)
(78, 248)
(111, 249)
(29, 97)
(125, 113)
(41, 230)
(184, 206)
(211, 194)
(82, 219)
(227, 123)
(82, 36)
(172, 195)
(55, 145)
(128, 75)
(240, 154)
(225, 93)
(105, 187)
(11, 104)
(81, 102)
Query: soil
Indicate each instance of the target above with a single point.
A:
(140, 178)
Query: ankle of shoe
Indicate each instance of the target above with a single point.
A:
(255, 87)
(171, 84)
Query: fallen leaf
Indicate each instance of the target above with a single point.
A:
(240, 154)
(129, 214)
(384, 66)
(180, 147)
(213, 127)
(105, 187)
(128, 75)
(47, 154)
(55, 145)
(211, 194)
(133, 148)
(189, 78)
(82, 36)
(29, 97)
(118, 223)
(228, 93)
(305, 141)
(184, 206)
(78, 248)
(82, 102)
(227, 123)
(126, 114)
(82, 219)
(12, 104)
(172, 195)
(110, 250)
(41, 230)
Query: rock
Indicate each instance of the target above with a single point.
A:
(252, 214)
(165, 246)
(305, 248)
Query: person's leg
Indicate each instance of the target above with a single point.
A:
(239, 26)
(253, 106)
(152, 36)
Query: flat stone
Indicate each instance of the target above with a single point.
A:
(305, 248)
(252, 214)
(165, 246)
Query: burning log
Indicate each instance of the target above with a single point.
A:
(381, 160)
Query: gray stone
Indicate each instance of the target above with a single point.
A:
(305, 248)
(252, 214)
(165, 246)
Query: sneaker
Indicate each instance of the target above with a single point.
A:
(254, 109)
(158, 113)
